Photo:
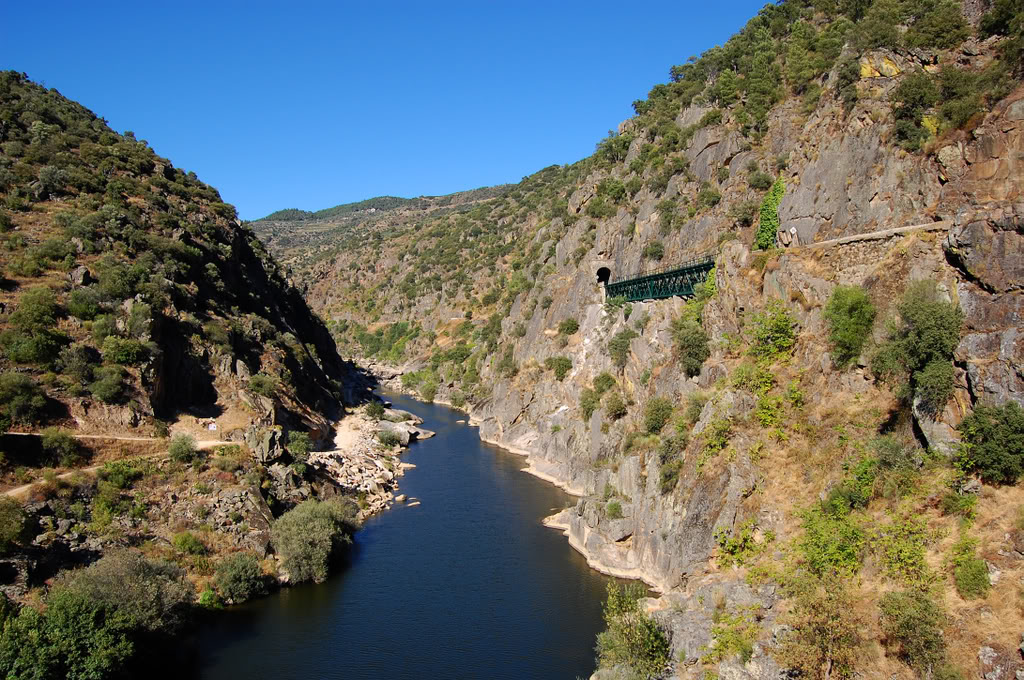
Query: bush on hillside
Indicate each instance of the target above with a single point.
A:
(309, 535)
(12, 523)
(61, 447)
(568, 326)
(912, 624)
(182, 448)
(151, 595)
(657, 414)
(850, 316)
(691, 344)
(615, 406)
(240, 578)
(993, 442)
(21, 400)
(917, 354)
(773, 331)
(561, 365)
(631, 639)
(618, 346)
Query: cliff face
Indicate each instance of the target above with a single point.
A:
(499, 310)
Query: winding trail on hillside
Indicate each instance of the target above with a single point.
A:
(25, 488)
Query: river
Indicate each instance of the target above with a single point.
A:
(468, 584)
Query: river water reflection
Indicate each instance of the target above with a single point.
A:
(468, 584)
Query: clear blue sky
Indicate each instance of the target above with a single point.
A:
(308, 105)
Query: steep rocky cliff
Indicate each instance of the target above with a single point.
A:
(894, 129)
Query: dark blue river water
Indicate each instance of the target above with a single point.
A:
(468, 584)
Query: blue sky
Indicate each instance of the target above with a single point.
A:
(316, 104)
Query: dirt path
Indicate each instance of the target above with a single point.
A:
(349, 432)
(25, 488)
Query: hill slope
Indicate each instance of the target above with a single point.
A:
(780, 455)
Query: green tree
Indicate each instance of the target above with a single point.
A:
(12, 523)
(150, 595)
(993, 442)
(850, 316)
(917, 354)
(182, 448)
(76, 639)
(21, 400)
(310, 534)
(769, 224)
(657, 414)
(240, 578)
(691, 344)
(631, 639)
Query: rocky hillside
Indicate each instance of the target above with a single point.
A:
(301, 239)
(133, 295)
(815, 458)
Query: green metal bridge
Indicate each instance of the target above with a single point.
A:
(678, 279)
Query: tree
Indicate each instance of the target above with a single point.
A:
(916, 357)
(148, 594)
(310, 534)
(691, 343)
(239, 577)
(182, 448)
(993, 440)
(850, 316)
(77, 639)
(769, 224)
(12, 523)
(21, 400)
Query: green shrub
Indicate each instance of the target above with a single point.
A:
(618, 346)
(310, 534)
(120, 473)
(124, 351)
(615, 406)
(21, 400)
(901, 546)
(182, 448)
(654, 250)
(774, 331)
(375, 410)
(736, 546)
(561, 365)
(657, 414)
(84, 303)
(240, 578)
(691, 344)
(589, 402)
(970, 572)
(299, 445)
(707, 197)
(109, 384)
(669, 476)
(831, 543)
(912, 625)
(631, 638)
(694, 406)
(12, 523)
(850, 316)
(76, 637)
(188, 543)
(923, 340)
(961, 505)
(993, 442)
(388, 438)
(825, 637)
(769, 225)
(604, 382)
(61, 446)
(613, 510)
(151, 595)
(568, 326)
(760, 180)
(263, 384)
(734, 635)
